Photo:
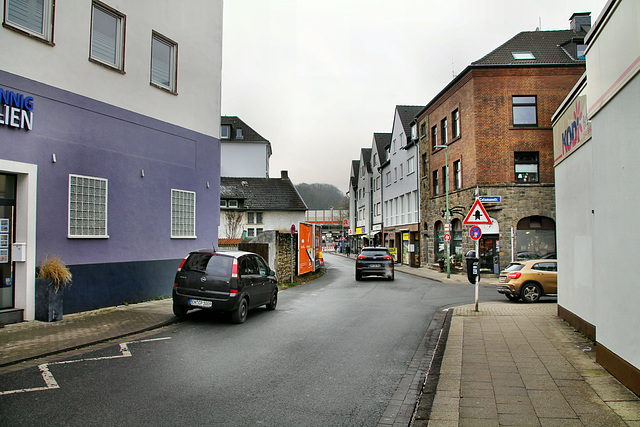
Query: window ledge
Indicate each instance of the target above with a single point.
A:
(166, 89)
(108, 66)
(184, 237)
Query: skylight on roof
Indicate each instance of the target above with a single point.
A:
(522, 55)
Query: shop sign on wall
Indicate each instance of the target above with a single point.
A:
(16, 110)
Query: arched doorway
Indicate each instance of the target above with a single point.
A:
(536, 238)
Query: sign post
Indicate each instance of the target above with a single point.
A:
(477, 216)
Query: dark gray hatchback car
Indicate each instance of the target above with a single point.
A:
(230, 281)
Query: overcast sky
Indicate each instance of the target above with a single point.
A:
(318, 78)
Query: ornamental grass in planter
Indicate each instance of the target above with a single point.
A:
(53, 277)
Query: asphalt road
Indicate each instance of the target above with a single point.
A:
(332, 354)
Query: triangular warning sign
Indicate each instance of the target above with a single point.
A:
(477, 215)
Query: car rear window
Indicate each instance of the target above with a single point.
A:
(212, 264)
(514, 267)
(375, 252)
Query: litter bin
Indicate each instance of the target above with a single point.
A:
(472, 266)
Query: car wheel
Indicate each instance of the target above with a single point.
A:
(358, 276)
(180, 310)
(239, 315)
(530, 292)
(273, 302)
(512, 297)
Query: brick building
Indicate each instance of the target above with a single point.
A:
(493, 122)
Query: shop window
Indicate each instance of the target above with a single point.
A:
(183, 214)
(438, 240)
(524, 111)
(107, 36)
(164, 59)
(526, 167)
(31, 17)
(87, 207)
(536, 238)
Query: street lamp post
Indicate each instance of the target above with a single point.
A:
(446, 216)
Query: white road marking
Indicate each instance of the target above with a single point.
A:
(52, 384)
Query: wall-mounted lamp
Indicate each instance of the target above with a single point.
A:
(53, 158)
(141, 173)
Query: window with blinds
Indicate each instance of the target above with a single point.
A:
(33, 17)
(164, 58)
(107, 36)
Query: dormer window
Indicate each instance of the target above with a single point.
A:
(580, 51)
(523, 56)
(239, 133)
(224, 132)
(232, 203)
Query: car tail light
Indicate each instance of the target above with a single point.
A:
(387, 257)
(234, 269)
(362, 257)
(182, 263)
(514, 275)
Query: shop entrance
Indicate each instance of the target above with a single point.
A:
(489, 255)
(7, 233)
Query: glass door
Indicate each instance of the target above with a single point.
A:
(489, 256)
(7, 217)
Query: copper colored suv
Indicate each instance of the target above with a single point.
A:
(529, 280)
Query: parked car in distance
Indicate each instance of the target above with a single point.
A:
(529, 280)
(374, 261)
(230, 281)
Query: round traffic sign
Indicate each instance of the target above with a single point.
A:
(475, 232)
(447, 237)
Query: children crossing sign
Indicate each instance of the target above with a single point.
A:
(477, 215)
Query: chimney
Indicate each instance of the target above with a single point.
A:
(581, 22)
(284, 174)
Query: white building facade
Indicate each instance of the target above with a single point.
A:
(400, 190)
(109, 145)
(596, 191)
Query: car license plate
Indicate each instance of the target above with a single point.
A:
(375, 265)
(200, 303)
(503, 279)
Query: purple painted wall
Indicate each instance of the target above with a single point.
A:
(95, 139)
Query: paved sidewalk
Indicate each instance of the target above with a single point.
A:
(29, 340)
(519, 364)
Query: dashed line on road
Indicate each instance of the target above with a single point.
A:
(52, 384)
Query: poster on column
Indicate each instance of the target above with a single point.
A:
(305, 248)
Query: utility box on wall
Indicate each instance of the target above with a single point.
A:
(19, 252)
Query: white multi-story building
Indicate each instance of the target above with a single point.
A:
(596, 176)
(244, 152)
(378, 158)
(400, 189)
(109, 145)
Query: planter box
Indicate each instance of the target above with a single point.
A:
(48, 301)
